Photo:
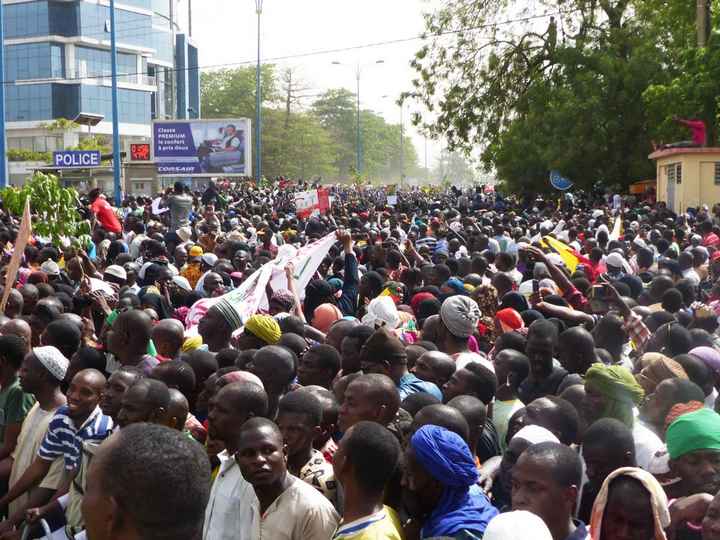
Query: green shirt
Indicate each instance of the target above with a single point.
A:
(14, 406)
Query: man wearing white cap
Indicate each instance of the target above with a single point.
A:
(459, 316)
(41, 373)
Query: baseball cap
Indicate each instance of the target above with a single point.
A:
(50, 267)
(116, 271)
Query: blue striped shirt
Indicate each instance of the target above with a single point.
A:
(64, 439)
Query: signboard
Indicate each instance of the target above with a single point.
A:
(558, 181)
(140, 152)
(202, 147)
(75, 159)
(312, 203)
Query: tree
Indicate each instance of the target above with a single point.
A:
(453, 168)
(562, 92)
(230, 93)
(55, 208)
(292, 89)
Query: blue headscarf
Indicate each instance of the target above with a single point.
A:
(463, 506)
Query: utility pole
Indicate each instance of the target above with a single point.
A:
(703, 22)
(115, 109)
(189, 18)
(402, 145)
(3, 155)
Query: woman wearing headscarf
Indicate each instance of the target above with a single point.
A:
(514, 300)
(441, 478)
(631, 500)
(657, 368)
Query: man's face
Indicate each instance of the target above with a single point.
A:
(628, 514)
(423, 369)
(457, 385)
(30, 374)
(512, 453)
(599, 464)
(298, 434)
(357, 406)
(224, 421)
(115, 337)
(135, 407)
(657, 404)
(699, 471)
(594, 404)
(310, 372)
(261, 457)
(350, 351)
(82, 396)
(115, 389)
(212, 281)
(540, 353)
(535, 489)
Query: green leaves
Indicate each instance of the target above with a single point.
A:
(309, 142)
(54, 208)
(584, 93)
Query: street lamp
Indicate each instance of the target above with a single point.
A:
(358, 139)
(258, 101)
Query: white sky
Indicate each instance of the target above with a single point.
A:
(226, 33)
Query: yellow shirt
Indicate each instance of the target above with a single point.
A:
(383, 525)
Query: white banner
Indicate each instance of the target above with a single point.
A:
(251, 294)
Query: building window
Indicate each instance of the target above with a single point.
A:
(34, 61)
(717, 172)
(92, 62)
(674, 173)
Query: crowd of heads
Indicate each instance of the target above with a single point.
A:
(456, 364)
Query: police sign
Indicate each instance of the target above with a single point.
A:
(68, 159)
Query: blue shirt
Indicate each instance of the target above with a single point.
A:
(410, 384)
(64, 439)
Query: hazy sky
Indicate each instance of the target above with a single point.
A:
(227, 34)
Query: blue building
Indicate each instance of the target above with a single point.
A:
(58, 65)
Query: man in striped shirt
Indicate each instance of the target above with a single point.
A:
(79, 421)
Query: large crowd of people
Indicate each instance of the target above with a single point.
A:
(415, 365)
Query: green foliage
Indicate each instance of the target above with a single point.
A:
(319, 142)
(15, 154)
(585, 94)
(54, 207)
(59, 124)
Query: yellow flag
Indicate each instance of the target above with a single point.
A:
(569, 259)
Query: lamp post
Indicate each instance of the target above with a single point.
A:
(115, 112)
(358, 127)
(258, 101)
(3, 156)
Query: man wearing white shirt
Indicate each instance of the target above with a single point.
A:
(229, 512)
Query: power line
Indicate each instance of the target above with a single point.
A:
(320, 52)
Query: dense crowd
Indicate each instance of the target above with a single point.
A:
(416, 364)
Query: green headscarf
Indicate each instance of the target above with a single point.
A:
(699, 430)
(620, 388)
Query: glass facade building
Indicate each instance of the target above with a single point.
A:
(57, 64)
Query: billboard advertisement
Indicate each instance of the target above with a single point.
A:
(202, 147)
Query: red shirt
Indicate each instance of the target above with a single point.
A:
(697, 127)
(105, 215)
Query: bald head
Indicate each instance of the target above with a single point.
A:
(15, 304)
(444, 416)
(168, 336)
(178, 409)
(436, 367)
(430, 328)
(17, 327)
(130, 333)
(576, 350)
(371, 396)
(338, 331)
